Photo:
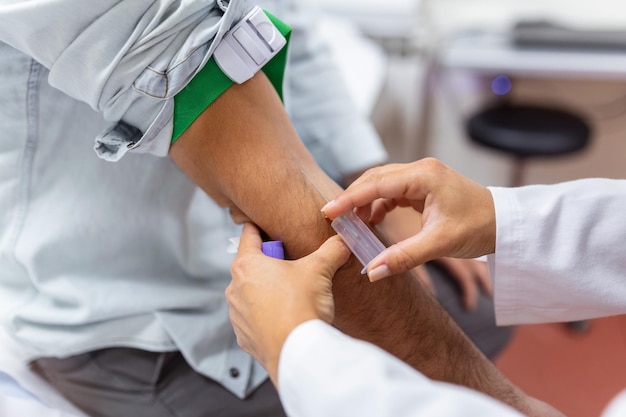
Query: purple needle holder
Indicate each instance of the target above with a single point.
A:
(274, 249)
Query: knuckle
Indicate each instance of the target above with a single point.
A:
(229, 292)
(430, 162)
(238, 266)
(433, 165)
(235, 264)
(241, 341)
(402, 260)
(370, 172)
(375, 175)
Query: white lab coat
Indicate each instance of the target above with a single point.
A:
(558, 257)
(323, 372)
(560, 251)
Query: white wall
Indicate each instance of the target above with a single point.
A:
(457, 94)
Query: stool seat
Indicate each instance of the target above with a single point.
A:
(525, 131)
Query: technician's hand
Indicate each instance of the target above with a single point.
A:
(472, 277)
(458, 216)
(269, 297)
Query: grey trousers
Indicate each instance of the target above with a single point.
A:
(124, 382)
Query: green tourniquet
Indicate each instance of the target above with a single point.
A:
(211, 82)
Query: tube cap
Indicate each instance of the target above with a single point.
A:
(274, 249)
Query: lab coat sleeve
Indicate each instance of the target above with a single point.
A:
(559, 251)
(616, 407)
(338, 134)
(323, 372)
(125, 58)
(22, 407)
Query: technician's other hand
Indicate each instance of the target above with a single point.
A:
(458, 216)
(269, 297)
(472, 277)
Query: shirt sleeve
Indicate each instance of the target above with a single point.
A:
(323, 372)
(559, 251)
(338, 134)
(125, 58)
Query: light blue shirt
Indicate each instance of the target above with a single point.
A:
(96, 254)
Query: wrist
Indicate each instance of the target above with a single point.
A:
(275, 347)
(489, 223)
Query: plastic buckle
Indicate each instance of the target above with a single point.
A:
(248, 46)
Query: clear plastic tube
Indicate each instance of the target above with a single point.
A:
(358, 237)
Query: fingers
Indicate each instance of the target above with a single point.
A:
(250, 240)
(402, 256)
(472, 276)
(332, 255)
(379, 210)
(465, 273)
(469, 288)
(376, 183)
(395, 181)
(483, 277)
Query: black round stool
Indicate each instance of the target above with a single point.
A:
(528, 131)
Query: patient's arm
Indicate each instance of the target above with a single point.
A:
(245, 154)
(470, 275)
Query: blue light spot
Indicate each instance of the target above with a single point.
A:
(501, 85)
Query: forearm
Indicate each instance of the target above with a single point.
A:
(244, 152)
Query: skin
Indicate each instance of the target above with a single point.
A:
(471, 276)
(458, 215)
(255, 301)
(255, 165)
(269, 298)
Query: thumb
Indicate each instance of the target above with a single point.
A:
(402, 256)
(331, 256)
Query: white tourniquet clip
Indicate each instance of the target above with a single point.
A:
(248, 46)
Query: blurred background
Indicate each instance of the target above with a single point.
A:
(423, 69)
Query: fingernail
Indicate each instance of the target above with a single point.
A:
(328, 205)
(379, 272)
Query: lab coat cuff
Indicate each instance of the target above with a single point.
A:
(294, 372)
(291, 352)
(503, 264)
